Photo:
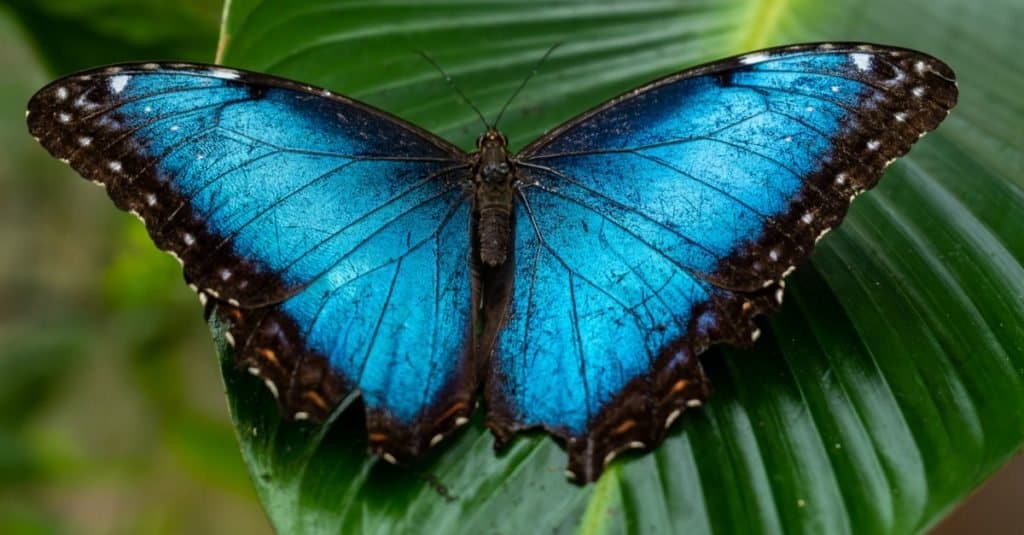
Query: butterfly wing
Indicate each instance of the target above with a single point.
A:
(330, 236)
(664, 221)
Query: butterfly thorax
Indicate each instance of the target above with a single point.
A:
(492, 179)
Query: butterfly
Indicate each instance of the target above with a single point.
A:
(570, 286)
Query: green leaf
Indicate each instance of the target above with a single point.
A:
(890, 385)
(76, 34)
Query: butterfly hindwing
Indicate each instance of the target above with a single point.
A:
(664, 220)
(330, 236)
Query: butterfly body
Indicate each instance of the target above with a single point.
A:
(570, 286)
(494, 178)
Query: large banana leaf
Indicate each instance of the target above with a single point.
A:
(891, 384)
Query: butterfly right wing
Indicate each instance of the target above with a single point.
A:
(664, 221)
(332, 237)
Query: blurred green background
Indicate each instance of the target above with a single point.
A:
(112, 413)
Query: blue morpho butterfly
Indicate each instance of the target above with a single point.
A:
(349, 251)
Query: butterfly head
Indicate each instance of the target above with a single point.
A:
(491, 138)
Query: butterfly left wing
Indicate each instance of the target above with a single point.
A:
(331, 237)
(664, 221)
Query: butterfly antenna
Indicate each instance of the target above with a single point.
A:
(451, 83)
(536, 68)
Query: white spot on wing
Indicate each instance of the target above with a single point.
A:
(114, 166)
(900, 116)
(224, 74)
(81, 102)
(672, 418)
(693, 403)
(862, 61)
(272, 387)
(63, 117)
(118, 83)
(755, 335)
(873, 144)
(918, 91)
(751, 59)
(84, 141)
(62, 93)
(900, 76)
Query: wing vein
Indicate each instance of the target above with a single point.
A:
(572, 180)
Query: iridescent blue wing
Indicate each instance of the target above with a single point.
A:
(332, 238)
(664, 220)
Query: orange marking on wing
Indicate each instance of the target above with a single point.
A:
(456, 407)
(624, 426)
(270, 356)
(317, 400)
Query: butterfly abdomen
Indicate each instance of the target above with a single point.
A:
(495, 231)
